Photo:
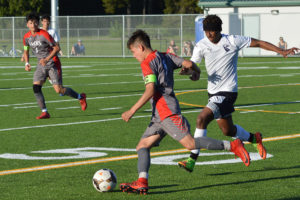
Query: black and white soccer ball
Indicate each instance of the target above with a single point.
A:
(104, 180)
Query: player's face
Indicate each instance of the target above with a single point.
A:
(213, 36)
(32, 25)
(45, 23)
(137, 52)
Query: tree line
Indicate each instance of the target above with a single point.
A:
(100, 7)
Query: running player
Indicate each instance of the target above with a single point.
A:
(157, 69)
(220, 52)
(45, 49)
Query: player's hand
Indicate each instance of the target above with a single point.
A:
(126, 116)
(195, 76)
(43, 61)
(28, 67)
(186, 71)
(291, 51)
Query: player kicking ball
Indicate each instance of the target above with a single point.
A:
(45, 49)
(157, 69)
(220, 52)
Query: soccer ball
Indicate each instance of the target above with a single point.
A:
(104, 180)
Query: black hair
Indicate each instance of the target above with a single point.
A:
(33, 16)
(47, 17)
(212, 23)
(139, 36)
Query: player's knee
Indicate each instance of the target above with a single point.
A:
(37, 88)
(59, 90)
(201, 121)
(228, 131)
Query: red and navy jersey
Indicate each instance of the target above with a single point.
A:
(162, 65)
(41, 43)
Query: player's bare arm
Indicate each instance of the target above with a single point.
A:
(148, 94)
(190, 68)
(54, 51)
(26, 59)
(270, 47)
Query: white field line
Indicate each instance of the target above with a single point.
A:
(67, 108)
(139, 74)
(67, 100)
(81, 122)
(117, 158)
(116, 108)
(129, 95)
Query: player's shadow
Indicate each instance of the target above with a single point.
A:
(260, 170)
(226, 184)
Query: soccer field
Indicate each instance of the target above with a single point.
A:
(55, 159)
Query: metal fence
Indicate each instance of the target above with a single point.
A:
(106, 36)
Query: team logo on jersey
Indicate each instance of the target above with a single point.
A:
(226, 47)
(35, 44)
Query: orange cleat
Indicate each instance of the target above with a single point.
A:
(237, 147)
(44, 115)
(139, 187)
(83, 101)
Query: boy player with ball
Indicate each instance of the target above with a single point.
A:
(157, 69)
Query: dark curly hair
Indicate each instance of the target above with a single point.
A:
(32, 16)
(212, 23)
(139, 36)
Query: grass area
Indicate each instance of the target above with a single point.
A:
(268, 101)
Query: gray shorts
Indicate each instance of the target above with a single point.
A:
(51, 70)
(176, 126)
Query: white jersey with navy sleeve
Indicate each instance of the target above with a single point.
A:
(221, 61)
(54, 34)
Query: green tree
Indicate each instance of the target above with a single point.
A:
(19, 7)
(182, 7)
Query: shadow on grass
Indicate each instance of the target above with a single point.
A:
(261, 170)
(225, 184)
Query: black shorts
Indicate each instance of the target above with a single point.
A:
(222, 104)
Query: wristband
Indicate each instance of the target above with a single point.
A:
(26, 64)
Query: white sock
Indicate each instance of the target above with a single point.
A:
(44, 110)
(227, 145)
(199, 133)
(143, 175)
(241, 133)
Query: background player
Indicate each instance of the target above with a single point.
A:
(220, 52)
(45, 49)
(45, 20)
(157, 69)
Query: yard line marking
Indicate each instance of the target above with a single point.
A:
(177, 92)
(116, 158)
(116, 108)
(67, 108)
(22, 107)
(80, 122)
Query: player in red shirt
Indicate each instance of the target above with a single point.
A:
(166, 119)
(45, 49)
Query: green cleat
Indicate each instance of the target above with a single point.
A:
(188, 164)
(257, 143)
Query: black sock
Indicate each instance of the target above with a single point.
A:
(71, 93)
(194, 156)
(251, 138)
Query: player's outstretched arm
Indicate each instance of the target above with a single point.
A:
(148, 94)
(270, 47)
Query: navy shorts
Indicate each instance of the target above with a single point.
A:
(222, 104)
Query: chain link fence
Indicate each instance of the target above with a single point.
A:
(106, 36)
